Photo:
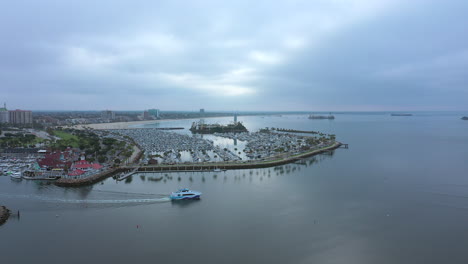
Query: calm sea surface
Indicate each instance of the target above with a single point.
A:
(399, 194)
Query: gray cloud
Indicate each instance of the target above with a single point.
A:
(243, 55)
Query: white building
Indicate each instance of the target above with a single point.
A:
(4, 115)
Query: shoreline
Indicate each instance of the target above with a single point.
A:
(4, 214)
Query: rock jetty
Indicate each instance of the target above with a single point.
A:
(4, 214)
(86, 181)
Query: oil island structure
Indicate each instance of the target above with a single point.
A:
(202, 128)
(329, 116)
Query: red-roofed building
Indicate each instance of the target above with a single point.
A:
(76, 173)
(58, 159)
(97, 166)
(85, 165)
(52, 162)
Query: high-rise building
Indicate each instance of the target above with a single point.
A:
(4, 115)
(107, 115)
(20, 116)
(154, 112)
(146, 115)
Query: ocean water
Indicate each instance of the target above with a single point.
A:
(399, 194)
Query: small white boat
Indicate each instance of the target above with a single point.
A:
(217, 170)
(185, 194)
(16, 175)
(40, 178)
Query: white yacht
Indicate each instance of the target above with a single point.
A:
(185, 194)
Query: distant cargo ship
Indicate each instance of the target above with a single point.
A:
(401, 114)
(465, 118)
(321, 117)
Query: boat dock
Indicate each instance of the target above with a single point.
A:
(128, 174)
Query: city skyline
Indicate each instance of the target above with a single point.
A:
(354, 55)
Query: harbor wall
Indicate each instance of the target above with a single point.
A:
(87, 181)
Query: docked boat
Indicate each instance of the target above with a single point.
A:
(41, 178)
(16, 175)
(217, 170)
(185, 194)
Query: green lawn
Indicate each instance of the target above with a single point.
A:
(67, 138)
(65, 135)
(38, 140)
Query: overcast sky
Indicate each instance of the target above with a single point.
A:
(324, 55)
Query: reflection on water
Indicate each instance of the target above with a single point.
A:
(184, 203)
(237, 175)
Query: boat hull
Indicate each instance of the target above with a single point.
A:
(195, 197)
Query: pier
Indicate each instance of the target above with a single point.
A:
(126, 175)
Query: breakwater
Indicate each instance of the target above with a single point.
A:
(87, 181)
(4, 214)
(168, 128)
(295, 131)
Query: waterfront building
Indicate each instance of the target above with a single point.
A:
(20, 116)
(107, 115)
(4, 115)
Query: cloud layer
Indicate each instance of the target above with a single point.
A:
(244, 55)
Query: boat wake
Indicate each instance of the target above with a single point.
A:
(156, 198)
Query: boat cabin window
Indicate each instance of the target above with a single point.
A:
(188, 194)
